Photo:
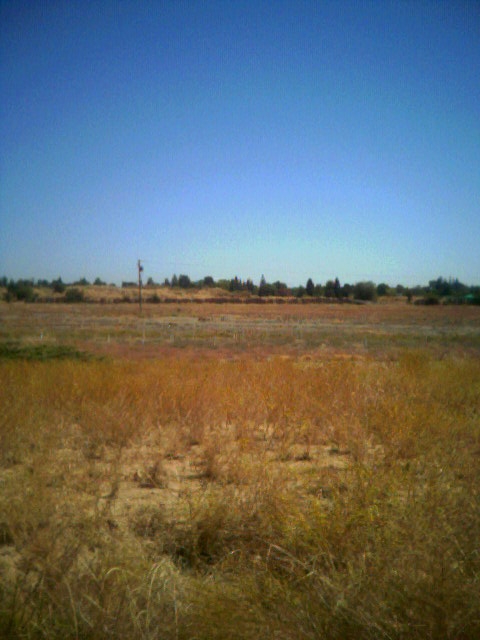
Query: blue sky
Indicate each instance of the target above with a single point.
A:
(292, 139)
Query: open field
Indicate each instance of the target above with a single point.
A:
(242, 329)
(239, 471)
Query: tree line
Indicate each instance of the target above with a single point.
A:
(435, 291)
(439, 290)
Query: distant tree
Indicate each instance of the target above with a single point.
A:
(262, 287)
(458, 288)
(299, 292)
(347, 290)
(58, 286)
(20, 290)
(150, 282)
(330, 289)
(280, 288)
(337, 289)
(382, 289)
(99, 283)
(166, 282)
(83, 282)
(319, 291)
(418, 290)
(174, 280)
(450, 287)
(310, 288)
(365, 291)
(265, 289)
(3, 281)
(223, 284)
(208, 281)
(184, 281)
(440, 286)
(235, 284)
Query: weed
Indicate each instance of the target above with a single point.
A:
(18, 351)
(273, 497)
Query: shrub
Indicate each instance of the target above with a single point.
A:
(20, 290)
(365, 291)
(74, 295)
(58, 286)
(430, 298)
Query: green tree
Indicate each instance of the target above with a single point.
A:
(337, 289)
(330, 289)
(20, 290)
(383, 289)
(440, 286)
(58, 286)
(281, 288)
(310, 288)
(235, 284)
(366, 291)
(265, 289)
(347, 290)
(224, 284)
(184, 281)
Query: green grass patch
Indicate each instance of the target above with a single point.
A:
(17, 351)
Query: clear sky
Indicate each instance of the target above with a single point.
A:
(293, 139)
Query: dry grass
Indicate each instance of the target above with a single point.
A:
(233, 330)
(257, 497)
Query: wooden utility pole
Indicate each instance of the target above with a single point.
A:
(140, 269)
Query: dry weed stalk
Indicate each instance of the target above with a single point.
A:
(281, 496)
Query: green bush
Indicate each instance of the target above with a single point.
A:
(431, 298)
(58, 286)
(365, 291)
(20, 290)
(74, 295)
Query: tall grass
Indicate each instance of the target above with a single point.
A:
(278, 498)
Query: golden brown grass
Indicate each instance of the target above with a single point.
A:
(251, 498)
